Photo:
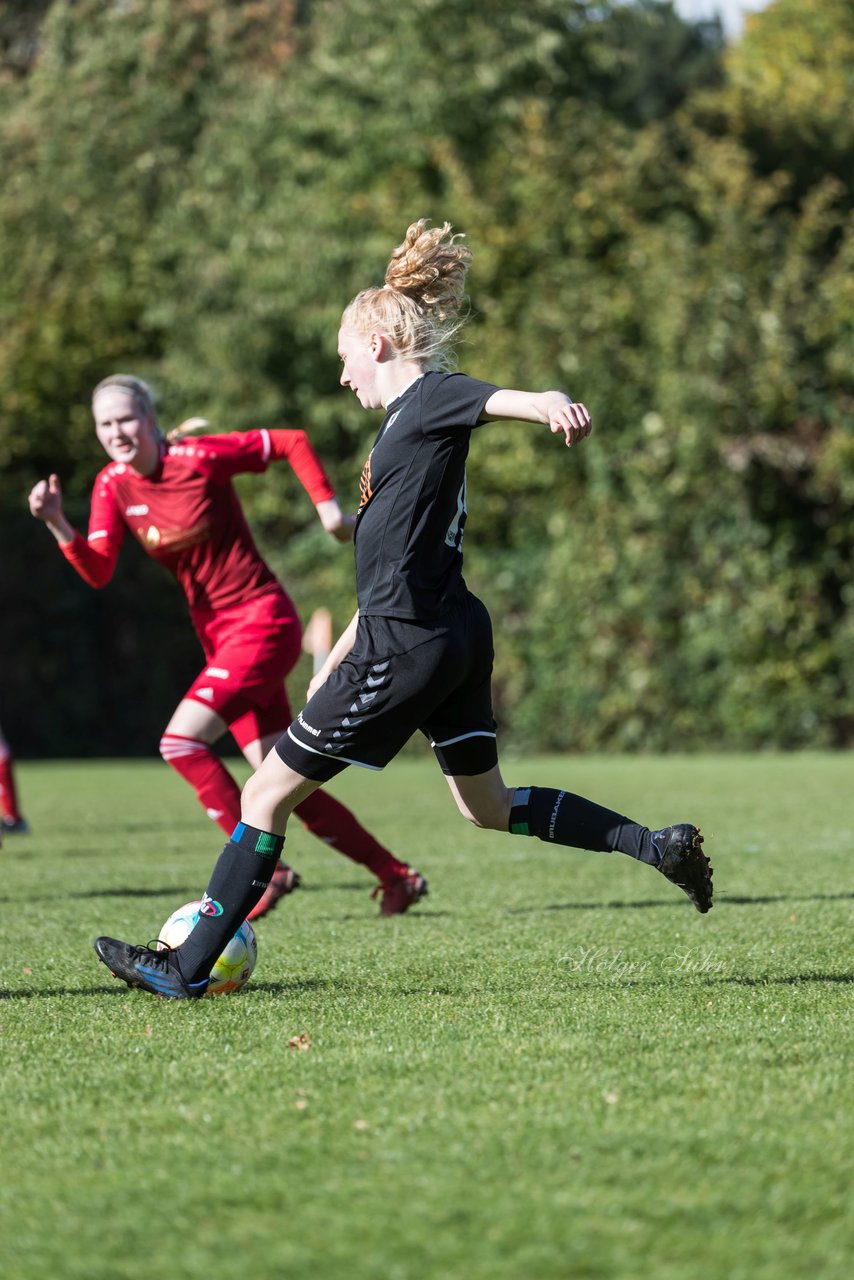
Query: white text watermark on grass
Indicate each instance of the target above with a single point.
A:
(618, 963)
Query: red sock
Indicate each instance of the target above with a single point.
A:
(8, 794)
(331, 822)
(218, 793)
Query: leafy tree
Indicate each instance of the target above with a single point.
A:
(789, 89)
(20, 21)
(194, 192)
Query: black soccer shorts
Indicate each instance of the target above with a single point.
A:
(399, 677)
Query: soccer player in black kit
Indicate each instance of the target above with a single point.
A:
(418, 654)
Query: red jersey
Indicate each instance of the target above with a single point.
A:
(188, 517)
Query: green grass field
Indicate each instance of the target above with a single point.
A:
(552, 1068)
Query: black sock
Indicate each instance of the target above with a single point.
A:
(240, 876)
(559, 817)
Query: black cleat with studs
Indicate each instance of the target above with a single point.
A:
(684, 864)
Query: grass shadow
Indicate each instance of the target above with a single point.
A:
(360, 919)
(172, 892)
(702, 979)
(723, 899)
(745, 900)
(791, 980)
(174, 828)
(614, 905)
(296, 986)
(34, 993)
(292, 987)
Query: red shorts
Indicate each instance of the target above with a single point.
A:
(250, 649)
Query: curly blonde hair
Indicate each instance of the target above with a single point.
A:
(418, 307)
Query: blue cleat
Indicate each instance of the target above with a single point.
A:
(154, 971)
(14, 827)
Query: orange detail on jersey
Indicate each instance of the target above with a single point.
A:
(365, 490)
(172, 540)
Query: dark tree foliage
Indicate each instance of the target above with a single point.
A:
(642, 61)
(660, 224)
(20, 25)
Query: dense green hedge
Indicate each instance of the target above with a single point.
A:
(662, 225)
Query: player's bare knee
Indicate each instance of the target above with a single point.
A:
(483, 799)
(490, 817)
(270, 794)
(254, 789)
(481, 821)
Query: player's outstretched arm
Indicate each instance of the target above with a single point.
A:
(552, 408)
(46, 505)
(94, 561)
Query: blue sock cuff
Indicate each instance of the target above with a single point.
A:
(519, 824)
(253, 840)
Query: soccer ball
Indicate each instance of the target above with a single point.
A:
(234, 965)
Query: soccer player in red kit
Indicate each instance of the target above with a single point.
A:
(12, 821)
(177, 499)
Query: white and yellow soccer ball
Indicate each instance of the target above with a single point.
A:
(237, 961)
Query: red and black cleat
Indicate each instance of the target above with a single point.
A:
(399, 895)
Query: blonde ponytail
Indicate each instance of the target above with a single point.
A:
(189, 427)
(418, 307)
(430, 267)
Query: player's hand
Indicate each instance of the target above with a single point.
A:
(336, 524)
(343, 532)
(317, 682)
(571, 419)
(46, 500)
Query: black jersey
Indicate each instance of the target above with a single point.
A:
(413, 498)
